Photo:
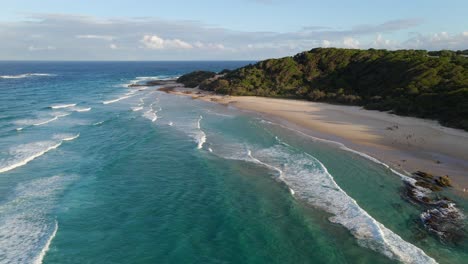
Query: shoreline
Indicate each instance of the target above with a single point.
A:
(406, 144)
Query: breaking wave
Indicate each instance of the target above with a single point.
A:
(201, 136)
(39, 259)
(23, 154)
(40, 122)
(86, 109)
(62, 106)
(125, 96)
(309, 180)
(26, 226)
(25, 75)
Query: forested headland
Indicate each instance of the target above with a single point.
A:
(426, 84)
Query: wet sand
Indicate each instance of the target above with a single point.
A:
(406, 144)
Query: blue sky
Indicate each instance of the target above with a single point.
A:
(243, 29)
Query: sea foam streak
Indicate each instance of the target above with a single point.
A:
(26, 75)
(46, 122)
(46, 247)
(151, 114)
(26, 227)
(344, 147)
(280, 172)
(23, 154)
(39, 122)
(116, 100)
(201, 137)
(309, 180)
(82, 109)
(62, 106)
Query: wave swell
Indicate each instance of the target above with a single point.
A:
(26, 227)
(25, 75)
(23, 154)
(309, 180)
(201, 136)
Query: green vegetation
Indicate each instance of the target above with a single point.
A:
(406, 82)
(193, 79)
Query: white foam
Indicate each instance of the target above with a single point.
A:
(280, 172)
(70, 138)
(40, 122)
(159, 77)
(87, 109)
(46, 122)
(62, 106)
(201, 140)
(46, 247)
(151, 115)
(308, 179)
(201, 136)
(25, 75)
(23, 154)
(118, 99)
(62, 114)
(343, 147)
(26, 227)
(171, 124)
(138, 108)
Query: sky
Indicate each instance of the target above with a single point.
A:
(222, 30)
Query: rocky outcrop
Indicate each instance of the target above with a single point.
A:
(440, 215)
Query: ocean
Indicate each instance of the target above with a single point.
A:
(92, 171)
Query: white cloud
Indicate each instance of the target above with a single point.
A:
(326, 43)
(209, 46)
(440, 40)
(35, 48)
(381, 43)
(138, 38)
(155, 42)
(351, 43)
(102, 37)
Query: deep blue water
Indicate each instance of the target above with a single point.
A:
(92, 171)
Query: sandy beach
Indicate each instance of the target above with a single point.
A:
(404, 143)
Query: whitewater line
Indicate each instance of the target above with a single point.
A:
(45, 122)
(62, 106)
(249, 153)
(83, 109)
(344, 147)
(201, 136)
(116, 100)
(25, 75)
(36, 155)
(138, 108)
(46, 247)
(400, 249)
(346, 211)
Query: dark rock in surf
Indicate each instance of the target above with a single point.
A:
(440, 216)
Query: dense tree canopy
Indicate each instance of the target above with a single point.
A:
(407, 82)
(194, 79)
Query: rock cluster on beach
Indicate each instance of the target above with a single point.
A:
(153, 83)
(440, 216)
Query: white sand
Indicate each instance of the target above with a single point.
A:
(404, 143)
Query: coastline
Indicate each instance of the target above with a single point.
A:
(406, 144)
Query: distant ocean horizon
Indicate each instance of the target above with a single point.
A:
(92, 171)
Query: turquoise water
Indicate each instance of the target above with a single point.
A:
(94, 172)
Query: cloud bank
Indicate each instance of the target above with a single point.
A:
(74, 37)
